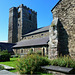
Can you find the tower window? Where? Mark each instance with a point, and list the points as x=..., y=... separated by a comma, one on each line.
x=29, y=16
x=53, y=27
x=18, y=14
x=21, y=51
x=19, y=9
x=41, y=34
x=29, y=12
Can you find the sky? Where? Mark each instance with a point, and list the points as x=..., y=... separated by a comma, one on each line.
x=42, y=7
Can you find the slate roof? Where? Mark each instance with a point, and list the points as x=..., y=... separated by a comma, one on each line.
x=32, y=42
x=43, y=29
x=6, y=46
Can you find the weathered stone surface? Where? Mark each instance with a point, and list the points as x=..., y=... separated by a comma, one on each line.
x=57, y=70
x=24, y=51
x=39, y=35
x=13, y=16
x=53, y=39
x=65, y=11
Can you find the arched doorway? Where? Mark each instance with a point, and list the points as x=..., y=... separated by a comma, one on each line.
x=44, y=51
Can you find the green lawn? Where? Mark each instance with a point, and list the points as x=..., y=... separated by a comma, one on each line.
x=39, y=73
x=12, y=62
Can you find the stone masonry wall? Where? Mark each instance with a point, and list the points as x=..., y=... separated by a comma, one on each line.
x=65, y=11
x=53, y=39
x=13, y=30
x=35, y=49
x=27, y=21
x=39, y=35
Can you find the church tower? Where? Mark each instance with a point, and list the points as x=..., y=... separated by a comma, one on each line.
x=22, y=20
x=13, y=28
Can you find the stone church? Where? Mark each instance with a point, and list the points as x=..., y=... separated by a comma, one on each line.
x=53, y=40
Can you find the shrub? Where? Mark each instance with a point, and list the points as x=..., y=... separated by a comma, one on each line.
x=65, y=61
x=1, y=67
x=14, y=56
x=31, y=64
x=39, y=52
x=4, y=56
x=31, y=51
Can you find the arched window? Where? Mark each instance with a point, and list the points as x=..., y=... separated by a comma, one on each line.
x=18, y=14
x=43, y=51
x=31, y=50
x=19, y=9
x=29, y=11
x=41, y=34
x=21, y=51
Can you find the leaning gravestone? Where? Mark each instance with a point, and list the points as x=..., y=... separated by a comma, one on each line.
x=59, y=69
x=7, y=67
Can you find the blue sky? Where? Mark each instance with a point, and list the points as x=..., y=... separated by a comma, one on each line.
x=42, y=7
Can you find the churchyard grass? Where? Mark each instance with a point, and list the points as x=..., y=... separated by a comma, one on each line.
x=12, y=63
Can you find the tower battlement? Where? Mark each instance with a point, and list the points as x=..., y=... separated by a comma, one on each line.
x=27, y=8
x=22, y=6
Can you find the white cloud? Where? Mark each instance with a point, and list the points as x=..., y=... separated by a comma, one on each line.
x=4, y=41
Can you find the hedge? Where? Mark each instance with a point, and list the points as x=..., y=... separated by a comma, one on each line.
x=4, y=56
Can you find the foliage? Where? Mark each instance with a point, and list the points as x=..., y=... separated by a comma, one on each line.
x=39, y=52
x=52, y=25
x=4, y=56
x=31, y=64
x=31, y=51
x=1, y=67
x=43, y=73
x=14, y=56
x=65, y=61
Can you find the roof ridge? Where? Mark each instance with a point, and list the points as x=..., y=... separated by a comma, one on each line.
x=38, y=30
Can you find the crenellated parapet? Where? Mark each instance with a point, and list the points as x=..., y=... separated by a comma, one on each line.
x=22, y=6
